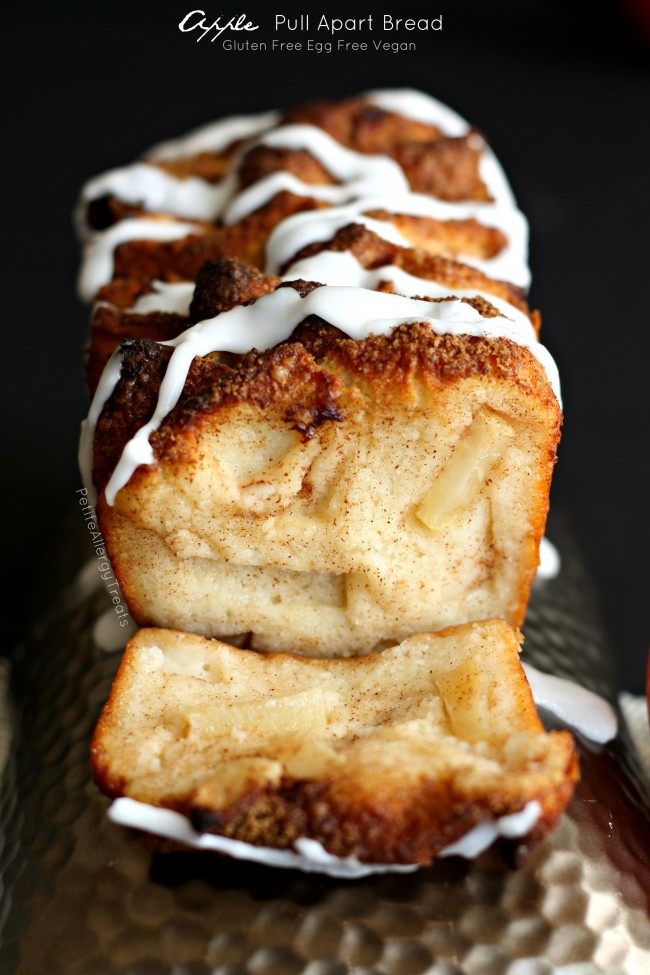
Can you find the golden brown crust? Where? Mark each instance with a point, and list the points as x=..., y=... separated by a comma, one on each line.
x=132, y=403
x=182, y=259
x=223, y=284
x=446, y=238
x=210, y=166
x=360, y=125
x=122, y=293
x=322, y=395
x=373, y=251
x=447, y=168
x=291, y=377
x=324, y=401
x=353, y=123
x=433, y=163
x=415, y=351
x=286, y=376
x=262, y=161
x=301, y=478
x=402, y=828
x=110, y=327
x=220, y=285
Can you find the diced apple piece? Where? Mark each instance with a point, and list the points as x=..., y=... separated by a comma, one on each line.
x=462, y=477
x=466, y=692
x=299, y=713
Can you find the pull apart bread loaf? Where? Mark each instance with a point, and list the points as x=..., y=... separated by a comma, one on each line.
x=322, y=423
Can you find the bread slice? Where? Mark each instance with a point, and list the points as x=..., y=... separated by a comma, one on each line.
x=330, y=494
x=389, y=758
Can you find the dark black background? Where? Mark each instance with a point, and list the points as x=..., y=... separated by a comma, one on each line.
x=562, y=92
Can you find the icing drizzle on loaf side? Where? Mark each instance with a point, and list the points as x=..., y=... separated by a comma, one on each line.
x=309, y=855
x=363, y=180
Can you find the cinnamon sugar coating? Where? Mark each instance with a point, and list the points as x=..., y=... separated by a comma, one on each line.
x=223, y=283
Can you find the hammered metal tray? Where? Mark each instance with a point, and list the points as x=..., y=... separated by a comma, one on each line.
x=80, y=895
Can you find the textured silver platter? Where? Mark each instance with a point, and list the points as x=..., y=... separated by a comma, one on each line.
x=80, y=895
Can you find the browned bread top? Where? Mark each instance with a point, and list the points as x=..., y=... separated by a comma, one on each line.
x=303, y=377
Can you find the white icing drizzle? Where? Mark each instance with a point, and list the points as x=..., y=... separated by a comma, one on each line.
x=259, y=194
x=590, y=714
x=271, y=319
x=215, y=136
x=549, y=561
x=419, y=106
x=108, y=633
x=312, y=226
x=158, y=192
x=296, y=231
x=341, y=268
x=173, y=298
x=308, y=855
x=105, y=387
x=484, y=834
x=88, y=581
x=359, y=175
x=492, y=174
x=424, y=108
x=97, y=263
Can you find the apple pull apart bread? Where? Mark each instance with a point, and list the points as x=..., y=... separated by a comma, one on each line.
x=390, y=758
x=323, y=420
